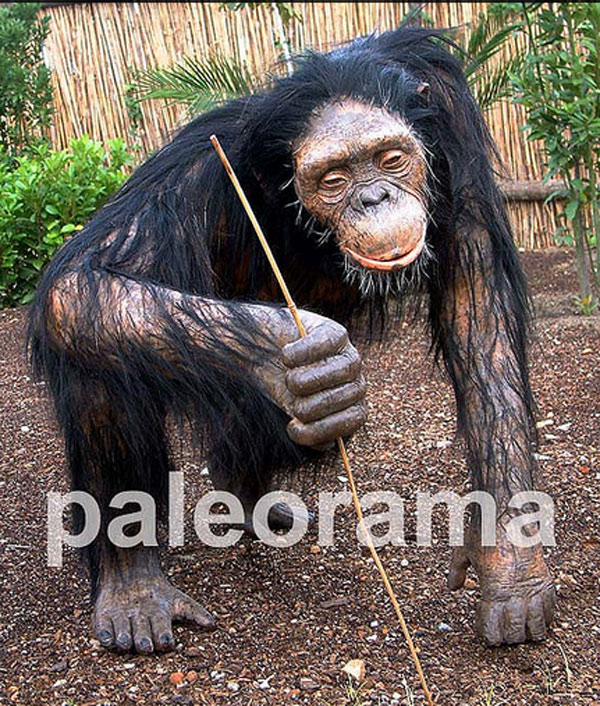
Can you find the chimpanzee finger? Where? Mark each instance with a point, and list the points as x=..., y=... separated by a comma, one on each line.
x=103, y=629
x=489, y=621
x=536, y=621
x=331, y=372
x=549, y=600
x=458, y=569
x=515, y=615
x=142, y=635
x=162, y=632
x=322, y=404
x=324, y=341
x=122, y=629
x=324, y=430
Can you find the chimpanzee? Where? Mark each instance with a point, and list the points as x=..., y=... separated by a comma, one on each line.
x=370, y=170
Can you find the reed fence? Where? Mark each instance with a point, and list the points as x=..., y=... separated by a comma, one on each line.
x=93, y=47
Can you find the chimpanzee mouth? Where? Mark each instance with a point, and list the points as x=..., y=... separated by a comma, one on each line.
x=388, y=262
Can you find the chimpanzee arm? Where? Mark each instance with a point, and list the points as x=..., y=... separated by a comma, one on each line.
x=482, y=331
x=142, y=328
x=483, y=338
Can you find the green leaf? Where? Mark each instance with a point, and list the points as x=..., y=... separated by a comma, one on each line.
x=198, y=83
x=571, y=209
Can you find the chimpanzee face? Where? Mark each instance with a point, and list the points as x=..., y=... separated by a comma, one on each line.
x=361, y=171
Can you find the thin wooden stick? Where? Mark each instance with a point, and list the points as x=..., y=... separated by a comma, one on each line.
x=340, y=442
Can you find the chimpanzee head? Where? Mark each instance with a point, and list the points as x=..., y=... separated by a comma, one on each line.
x=361, y=171
x=376, y=153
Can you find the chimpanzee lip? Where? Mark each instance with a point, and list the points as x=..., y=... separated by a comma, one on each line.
x=388, y=264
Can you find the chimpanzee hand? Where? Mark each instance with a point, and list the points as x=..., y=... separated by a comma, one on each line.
x=517, y=593
x=317, y=380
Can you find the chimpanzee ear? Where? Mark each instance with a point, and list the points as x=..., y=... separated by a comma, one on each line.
x=423, y=88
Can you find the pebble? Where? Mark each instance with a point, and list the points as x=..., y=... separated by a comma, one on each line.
x=404, y=562
x=59, y=667
x=444, y=627
x=308, y=684
x=177, y=678
x=25, y=428
x=233, y=686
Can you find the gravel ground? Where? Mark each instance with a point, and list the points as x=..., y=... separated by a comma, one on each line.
x=289, y=620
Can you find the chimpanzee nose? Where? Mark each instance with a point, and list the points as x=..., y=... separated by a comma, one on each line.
x=373, y=195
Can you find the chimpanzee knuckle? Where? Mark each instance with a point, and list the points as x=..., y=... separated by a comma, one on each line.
x=337, y=335
x=353, y=361
x=359, y=415
x=361, y=387
x=297, y=432
x=291, y=352
x=304, y=409
x=295, y=381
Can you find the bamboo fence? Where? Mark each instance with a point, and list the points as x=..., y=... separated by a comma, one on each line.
x=93, y=46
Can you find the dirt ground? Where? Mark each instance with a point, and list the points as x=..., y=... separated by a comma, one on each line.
x=289, y=620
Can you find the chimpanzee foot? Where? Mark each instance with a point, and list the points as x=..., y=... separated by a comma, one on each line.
x=136, y=613
x=517, y=593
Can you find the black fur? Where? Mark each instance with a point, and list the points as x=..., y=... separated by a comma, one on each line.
x=177, y=225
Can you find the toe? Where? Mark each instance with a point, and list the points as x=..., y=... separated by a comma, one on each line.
x=122, y=630
x=103, y=630
x=142, y=635
x=186, y=608
x=515, y=614
x=162, y=633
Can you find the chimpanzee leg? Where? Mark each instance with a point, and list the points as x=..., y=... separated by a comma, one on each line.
x=482, y=329
x=114, y=444
x=248, y=475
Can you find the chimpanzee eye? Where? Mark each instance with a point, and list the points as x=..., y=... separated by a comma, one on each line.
x=333, y=181
x=392, y=160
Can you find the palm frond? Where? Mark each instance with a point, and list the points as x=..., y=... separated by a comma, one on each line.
x=492, y=85
x=198, y=83
x=486, y=65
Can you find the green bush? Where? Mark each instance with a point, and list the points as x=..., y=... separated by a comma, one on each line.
x=25, y=83
x=46, y=196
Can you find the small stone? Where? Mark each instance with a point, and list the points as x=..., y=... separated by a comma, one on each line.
x=444, y=627
x=191, y=676
x=374, y=624
x=233, y=686
x=404, y=562
x=59, y=683
x=372, y=638
x=177, y=678
x=355, y=668
x=25, y=428
x=315, y=549
x=61, y=666
x=194, y=651
x=308, y=684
